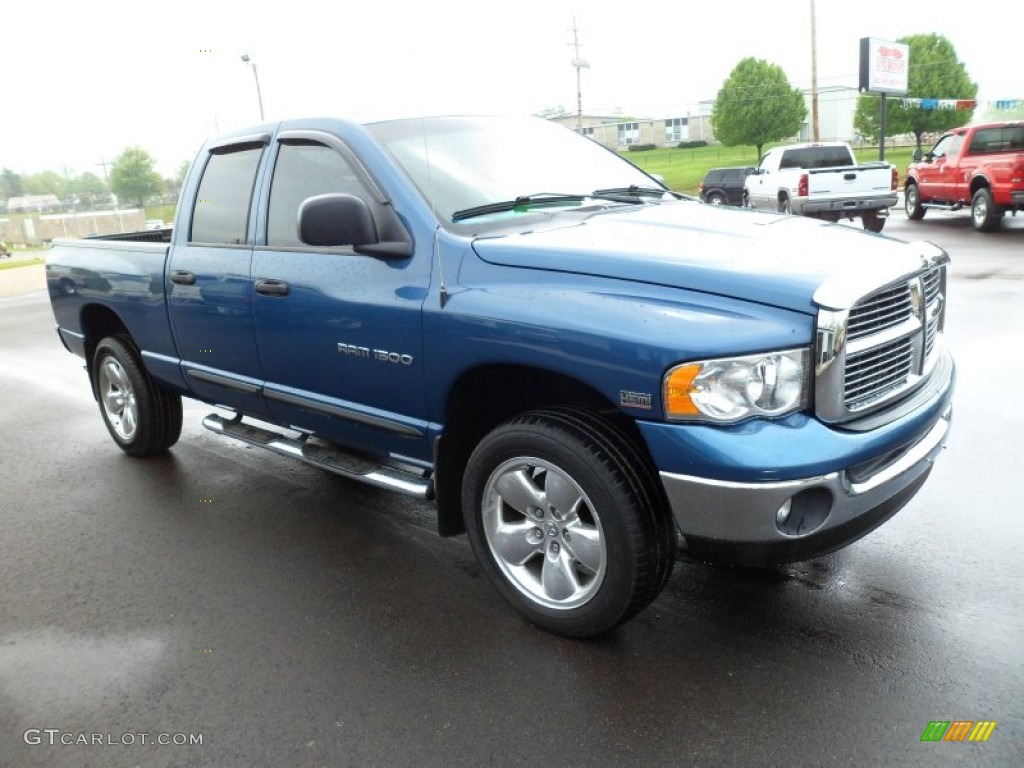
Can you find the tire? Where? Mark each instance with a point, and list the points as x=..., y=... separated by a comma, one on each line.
x=746, y=200
x=716, y=198
x=142, y=418
x=567, y=520
x=912, y=203
x=785, y=206
x=985, y=215
x=872, y=222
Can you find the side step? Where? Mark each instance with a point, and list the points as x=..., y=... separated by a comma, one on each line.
x=943, y=206
x=325, y=457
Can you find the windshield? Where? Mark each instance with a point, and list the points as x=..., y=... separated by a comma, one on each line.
x=462, y=163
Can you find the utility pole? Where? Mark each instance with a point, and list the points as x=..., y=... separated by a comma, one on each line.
x=579, y=64
x=815, y=132
x=255, y=74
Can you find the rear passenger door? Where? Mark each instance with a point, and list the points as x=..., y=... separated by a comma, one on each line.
x=339, y=333
x=209, y=291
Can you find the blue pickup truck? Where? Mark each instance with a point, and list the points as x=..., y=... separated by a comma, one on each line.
x=579, y=367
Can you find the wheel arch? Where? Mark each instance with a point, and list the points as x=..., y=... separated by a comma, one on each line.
x=488, y=395
x=980, y=181
x=97, y=323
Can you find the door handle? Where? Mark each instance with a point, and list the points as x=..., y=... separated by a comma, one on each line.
x=183, y=277
x=272, y=287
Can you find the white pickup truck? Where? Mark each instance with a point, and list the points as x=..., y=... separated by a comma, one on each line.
x=824, y=181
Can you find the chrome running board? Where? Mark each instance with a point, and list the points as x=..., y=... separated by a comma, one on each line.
x=325, y=457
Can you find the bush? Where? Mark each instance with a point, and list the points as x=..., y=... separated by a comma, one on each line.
x=691, y=144
x=641, y=147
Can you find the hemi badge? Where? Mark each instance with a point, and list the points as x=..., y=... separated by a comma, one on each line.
x=635, y=399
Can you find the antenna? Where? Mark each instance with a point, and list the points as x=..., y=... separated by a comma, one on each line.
x=433, y=208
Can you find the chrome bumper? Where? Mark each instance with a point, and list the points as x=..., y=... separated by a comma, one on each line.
x=826, y=512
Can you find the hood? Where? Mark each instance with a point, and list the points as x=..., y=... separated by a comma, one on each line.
x=760, y=257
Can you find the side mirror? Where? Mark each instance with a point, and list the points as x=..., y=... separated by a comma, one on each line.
x=336, y=219
x=929, y=156
x=918, y=155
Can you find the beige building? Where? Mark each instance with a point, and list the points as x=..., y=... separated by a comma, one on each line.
x=619, y=134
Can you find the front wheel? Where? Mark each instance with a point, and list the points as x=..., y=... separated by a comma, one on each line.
x=142, y=418
x=985, y=215
x=912, y=203
x=566, y=520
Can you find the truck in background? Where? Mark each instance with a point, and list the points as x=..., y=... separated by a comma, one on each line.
x=977, y=166
x=823, y=180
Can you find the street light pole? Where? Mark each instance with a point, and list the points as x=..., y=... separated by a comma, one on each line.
x=255, y=74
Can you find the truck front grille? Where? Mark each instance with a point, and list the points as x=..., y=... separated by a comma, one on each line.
x=876, y=372
x=885, y=309
x=881, y=349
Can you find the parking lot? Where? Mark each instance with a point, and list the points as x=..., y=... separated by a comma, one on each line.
x=289, y=617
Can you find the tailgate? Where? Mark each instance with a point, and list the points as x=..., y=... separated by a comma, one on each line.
x=854, y=181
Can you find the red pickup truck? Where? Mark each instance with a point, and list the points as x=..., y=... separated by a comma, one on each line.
x=978, y=165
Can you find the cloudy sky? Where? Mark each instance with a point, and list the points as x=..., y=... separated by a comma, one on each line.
x=85, y=80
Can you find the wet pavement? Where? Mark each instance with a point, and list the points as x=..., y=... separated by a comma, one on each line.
x=288, y=617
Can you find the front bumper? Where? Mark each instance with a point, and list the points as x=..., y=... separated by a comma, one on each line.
x=739, y=522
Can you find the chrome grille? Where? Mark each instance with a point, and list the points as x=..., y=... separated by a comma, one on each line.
x=876, y=371
x=882, y=348
x=885, y=309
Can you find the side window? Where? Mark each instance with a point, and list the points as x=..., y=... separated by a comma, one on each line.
x=304, y=169
x=954, y=146
x=221, y=213
x=940, y=149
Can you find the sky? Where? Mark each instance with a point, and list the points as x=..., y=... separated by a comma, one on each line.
x=85, y=80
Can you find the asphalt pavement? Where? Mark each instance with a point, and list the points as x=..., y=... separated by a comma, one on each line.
x=286, y=617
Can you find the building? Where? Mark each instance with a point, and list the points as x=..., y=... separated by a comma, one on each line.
x=837, y=105
x=619, y=133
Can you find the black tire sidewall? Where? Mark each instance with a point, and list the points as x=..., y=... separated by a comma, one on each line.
x=149, y=433
x=611, y=505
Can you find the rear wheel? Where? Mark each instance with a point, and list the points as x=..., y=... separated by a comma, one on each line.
x=784, y=205
x=142, y=418
x=567, y=521
x=912, y=203
x=985, y=215
x=872, y=222
x=716, y=198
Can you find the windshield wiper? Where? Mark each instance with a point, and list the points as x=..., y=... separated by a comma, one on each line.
x=524, y=201
x=634, y=193
x=631, y=191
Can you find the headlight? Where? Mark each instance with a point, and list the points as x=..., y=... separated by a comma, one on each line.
x=735, y=388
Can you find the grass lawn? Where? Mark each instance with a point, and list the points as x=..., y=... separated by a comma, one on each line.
x=164, y=212
x=683, y=169
x=22, y=263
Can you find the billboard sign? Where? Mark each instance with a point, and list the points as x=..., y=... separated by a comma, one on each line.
x=884, y=66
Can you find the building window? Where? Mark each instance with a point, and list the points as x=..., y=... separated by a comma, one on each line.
x=677, y=129
x=588, y=131
x=629, y=133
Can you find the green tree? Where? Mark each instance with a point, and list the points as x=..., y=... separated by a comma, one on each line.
x=935, y=72
x=133, y=176
x=174, y=184
x=10, y=184
x=45, y=183
x=756, y=105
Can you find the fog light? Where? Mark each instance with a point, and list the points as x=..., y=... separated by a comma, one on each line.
x=804, y=513
x=783, y=514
